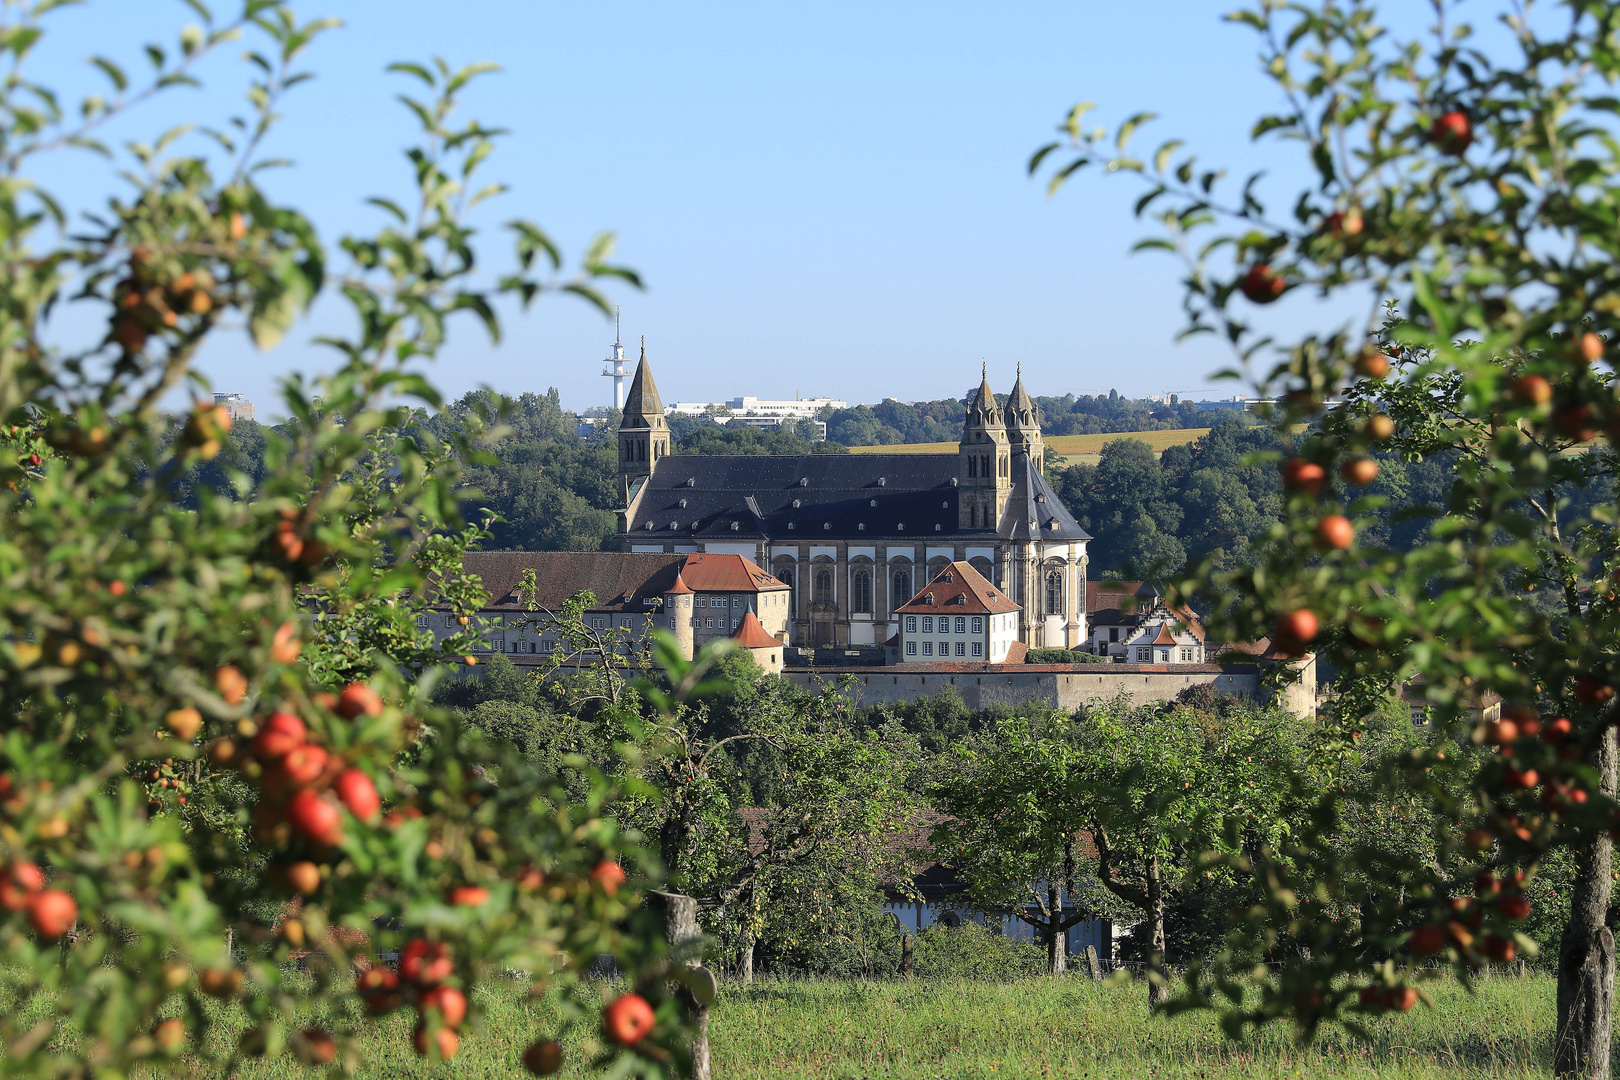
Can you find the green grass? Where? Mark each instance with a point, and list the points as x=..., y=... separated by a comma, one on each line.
x=1035, y=1028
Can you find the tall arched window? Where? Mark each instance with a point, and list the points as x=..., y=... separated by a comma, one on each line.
x=824, y=586
x=1054, y=592
x=860, y=591
x=902, y=588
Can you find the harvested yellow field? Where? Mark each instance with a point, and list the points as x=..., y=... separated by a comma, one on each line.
x=1061, y=445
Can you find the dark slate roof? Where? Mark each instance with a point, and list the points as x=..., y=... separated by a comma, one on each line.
x=914, y=496
x=1034, y=511
x=894, y=496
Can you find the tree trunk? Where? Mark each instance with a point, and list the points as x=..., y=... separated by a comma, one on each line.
x=1057, y=944
x=745, y=961
x=680, y=925
x=908, y=955
x=1158, y=977
x=1586, y=952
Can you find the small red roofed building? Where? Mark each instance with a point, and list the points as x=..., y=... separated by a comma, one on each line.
x=765, y=649
x=957, y=616
x=1130, y=621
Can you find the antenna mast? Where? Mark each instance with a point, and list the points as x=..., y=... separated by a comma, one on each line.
x=615, y=368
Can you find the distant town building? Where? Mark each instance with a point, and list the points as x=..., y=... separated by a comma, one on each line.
x=699, y=597
x=1130, y=622
x=235, y=404
x=760, y=412
x=957, y=616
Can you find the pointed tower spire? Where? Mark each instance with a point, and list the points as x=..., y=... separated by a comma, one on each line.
x=1023, y=420
x=642, y=405
x=984, y=469
x=643, y=431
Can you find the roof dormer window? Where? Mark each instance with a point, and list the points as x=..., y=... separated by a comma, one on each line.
x=874, y=502
x=735, y=526
x=683, y=504
x=796, y=503
x=791, y=526
x=827, y=525
x=861, y=527
x=804, y=481
x=882, y=480
x=691, y=481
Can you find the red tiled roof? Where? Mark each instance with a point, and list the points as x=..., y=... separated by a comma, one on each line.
x=1164, y=637
x=610, y=576
x=751, y=634
x=958, y=581
x=1017, y=653
x=677, y=589
x=726, y=573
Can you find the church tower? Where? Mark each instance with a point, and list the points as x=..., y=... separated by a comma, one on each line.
x=1024, y=424
x=643, y=431
x=984, y=467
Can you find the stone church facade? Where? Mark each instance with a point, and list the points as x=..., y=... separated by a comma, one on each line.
x=857, y=535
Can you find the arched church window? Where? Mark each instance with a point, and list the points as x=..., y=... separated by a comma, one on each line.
x=860, y=591
x=824, y=586
x=1054, y=592
x=902, y=587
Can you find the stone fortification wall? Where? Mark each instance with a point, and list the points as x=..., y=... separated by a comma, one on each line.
x=1065, y=686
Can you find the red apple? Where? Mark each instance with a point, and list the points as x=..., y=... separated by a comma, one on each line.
x=357, y=700
x=445, y=1041
x=19, y=883
x=1335, y=532
x=279, y=733
x=1372, y=364
x=317, y=1046
x=628, y=1019
x=609, y=875
x=426, y=963
x=1557, y=729
x=1301, y=475
x=1402, y=998
x=1294, y=631
x=544, y=1057
x=356, y=791
x=1359, y=471
x=1577, y=422
x=1589, y=347
x=304, y=877
x=1502, y=950
x=1513, y=778
x=1427, y=940
x=1262, y=285
x=448, y=1002
x=53, y=913
x=379, y=989
x=1513, y=908
x=299, y=767
x=315, y=818
x=1452, y=132
x=1498, y=732
x=1590, y=691
x=1531, y=390
x=469, y=896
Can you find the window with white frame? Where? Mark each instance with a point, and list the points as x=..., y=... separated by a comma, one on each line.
x=978, y=624
x=961, y=648
x=710, y=623
x=928, y=624
x=1144, y=655
x=911, y=624
x=978, y=648
x=928, y=648
x=422, y=621
x=599, y=622
x=911, y=648
x=961, y=625
x=944, y=648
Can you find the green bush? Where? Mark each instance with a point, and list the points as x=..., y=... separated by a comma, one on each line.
x=970, y=951
x=1064, y=656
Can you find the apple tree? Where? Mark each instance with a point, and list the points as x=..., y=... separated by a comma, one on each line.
x=217, y=751
x=1464, y=198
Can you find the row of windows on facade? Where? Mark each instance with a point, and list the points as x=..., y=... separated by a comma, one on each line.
x=860, y=589
x=600, y=622
x=945, y=648
x=944, y=624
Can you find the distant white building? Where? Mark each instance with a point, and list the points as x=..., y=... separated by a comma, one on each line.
x=957, y=616
x=239, y=407
x=1130, y=622
x=753, y=407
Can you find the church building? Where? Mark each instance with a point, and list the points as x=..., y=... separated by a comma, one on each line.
x=855, y=536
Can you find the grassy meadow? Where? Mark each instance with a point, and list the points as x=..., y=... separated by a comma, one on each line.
x=1035, y=1028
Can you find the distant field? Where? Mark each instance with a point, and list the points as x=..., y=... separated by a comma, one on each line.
x=1073, y=449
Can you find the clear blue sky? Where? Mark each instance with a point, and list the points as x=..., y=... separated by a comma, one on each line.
x=827, y=199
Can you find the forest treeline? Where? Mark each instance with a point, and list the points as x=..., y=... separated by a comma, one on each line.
x=941, y=421
x=1149, y=512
